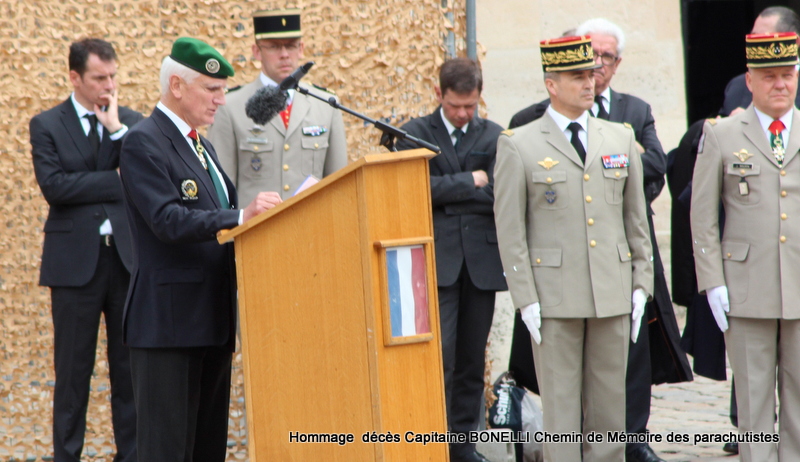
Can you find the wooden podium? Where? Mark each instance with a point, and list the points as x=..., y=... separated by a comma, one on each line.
x=340, y=319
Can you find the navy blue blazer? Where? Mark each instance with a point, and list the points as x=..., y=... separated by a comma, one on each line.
x=183, y=282
x=463, y=216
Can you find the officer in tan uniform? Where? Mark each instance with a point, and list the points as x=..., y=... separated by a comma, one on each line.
x=574, y=241
x=307, y=138
x=749, y=162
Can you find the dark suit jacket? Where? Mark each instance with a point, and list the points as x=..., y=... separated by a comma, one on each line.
x=624, y=109
x=738, y=95
x=183, y=283
x=81, y=194
x=463, y=216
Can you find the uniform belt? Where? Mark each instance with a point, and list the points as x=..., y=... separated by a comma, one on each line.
x=106, y=240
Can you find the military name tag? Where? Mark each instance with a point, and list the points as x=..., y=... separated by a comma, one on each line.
x=253, y=140
x=189, y=190
x=744, y=166
x=315, y=130
x=615, y=161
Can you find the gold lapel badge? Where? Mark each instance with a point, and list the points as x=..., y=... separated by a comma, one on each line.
x=548, y=163
x=742, y=155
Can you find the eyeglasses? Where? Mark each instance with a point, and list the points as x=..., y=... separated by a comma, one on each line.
x=276, y=47
x=606, y=58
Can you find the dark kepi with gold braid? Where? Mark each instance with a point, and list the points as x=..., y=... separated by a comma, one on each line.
x=771, y=50
x=277, y=24
x=568, y=54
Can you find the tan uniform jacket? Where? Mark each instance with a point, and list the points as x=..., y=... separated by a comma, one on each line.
x=271, y=157
x=759, y=255
x=573, y=238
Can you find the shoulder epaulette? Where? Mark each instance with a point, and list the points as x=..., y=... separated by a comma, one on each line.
x=228, y=90
x=508, y=132
x=323, y=89
x=627, y=125
x=712, y=121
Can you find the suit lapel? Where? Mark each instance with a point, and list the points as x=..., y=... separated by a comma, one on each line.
x=794, y=138
x=443, y=140
x=186, y=154
x=594, y=140
x=73, y=126
x=300, y=107
x=754, y=133
x=556, y=138
x=617, y=107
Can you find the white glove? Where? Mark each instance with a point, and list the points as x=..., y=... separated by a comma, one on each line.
x=532, y=317
x=718, y=301
x=638, y=300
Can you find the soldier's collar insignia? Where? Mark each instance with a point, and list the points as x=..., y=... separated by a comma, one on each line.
x=548, y=163
x=742, y=155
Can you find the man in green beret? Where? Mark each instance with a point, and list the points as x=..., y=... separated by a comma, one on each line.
x=306, y=138
x=180, y=315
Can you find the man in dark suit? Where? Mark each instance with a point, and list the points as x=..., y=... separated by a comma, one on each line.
x=468, y=267
x=87, y=249
x=650, y=360
x=180, y=319
x=773, y=19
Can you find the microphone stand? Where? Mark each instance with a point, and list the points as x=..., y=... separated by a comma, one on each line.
x=390, y=132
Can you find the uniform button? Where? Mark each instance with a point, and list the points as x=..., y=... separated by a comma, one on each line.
x=285, y=167
x=316, y=145
x=729, y=255
x=783, y=239
x=255, y=148
x=741, y=172
x=538, y=261
x=784, y=194
x=285, y=147
x=592, y=243
x=629, y=255
x=588, y=198
x=590, y=221
x=784, y=216
x=586, y=177
x=286, y=187
x=616, y=174
x=783, y=172
x=549, y=180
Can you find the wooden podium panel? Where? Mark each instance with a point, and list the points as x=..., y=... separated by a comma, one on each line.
x=313, y=304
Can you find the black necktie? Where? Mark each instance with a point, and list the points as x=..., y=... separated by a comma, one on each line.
x=601, y=110
x=458, y=133
x=94, y=138
x=575, y=127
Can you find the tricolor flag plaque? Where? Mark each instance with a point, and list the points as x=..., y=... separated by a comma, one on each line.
x=406, y=296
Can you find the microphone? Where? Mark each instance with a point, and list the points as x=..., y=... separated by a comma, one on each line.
x=265, y=104
x=290, y=83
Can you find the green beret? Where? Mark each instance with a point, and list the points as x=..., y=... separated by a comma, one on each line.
x=202, y=57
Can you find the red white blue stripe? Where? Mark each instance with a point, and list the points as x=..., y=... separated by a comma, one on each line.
x=408, y=290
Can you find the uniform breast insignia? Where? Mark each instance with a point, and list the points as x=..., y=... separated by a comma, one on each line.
x=189, y=190
x=256, y=140
x=255, y=163
x=315, y=130
x=550, y=196
x=547, y=163
x=742, y=155
x=257, y=130
x=507, y=132
x=615, y=161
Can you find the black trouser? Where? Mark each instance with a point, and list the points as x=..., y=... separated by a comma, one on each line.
x=182, y=399
x=638, y=381
x=76, y=320
x=466, y=317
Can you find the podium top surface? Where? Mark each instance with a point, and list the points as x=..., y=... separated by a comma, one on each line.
x=227, y=235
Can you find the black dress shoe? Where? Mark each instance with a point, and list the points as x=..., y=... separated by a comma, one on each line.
x=731, y=448
x=642, y=454
x=473, y=456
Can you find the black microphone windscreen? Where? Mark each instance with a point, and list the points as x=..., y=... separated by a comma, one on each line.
x=265, y=104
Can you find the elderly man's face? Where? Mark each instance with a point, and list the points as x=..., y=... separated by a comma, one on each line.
x=200, y=99
x=606, y=53
x=774, y=89
x=278, y=57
